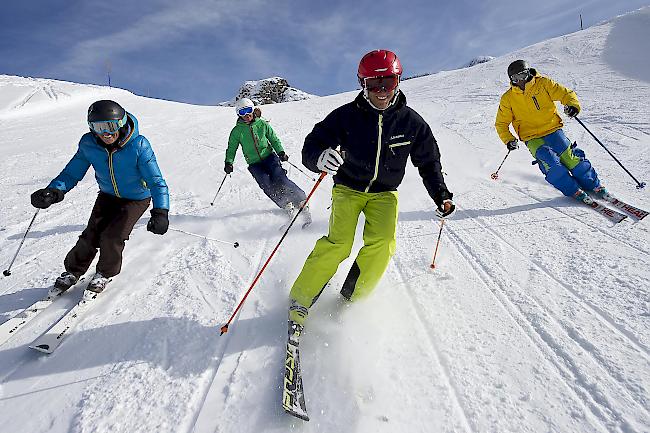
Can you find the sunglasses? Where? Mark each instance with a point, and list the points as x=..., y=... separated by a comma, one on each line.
x=107, y=126
x=381, y=84
x=520, y=76
x=244, y=111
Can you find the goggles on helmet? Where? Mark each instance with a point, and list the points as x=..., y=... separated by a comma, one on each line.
x=244, y=111
x=520, y=76
x=381, y=84
x=107, y=126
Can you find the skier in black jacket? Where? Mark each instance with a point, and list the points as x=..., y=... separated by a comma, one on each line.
x=365, y=145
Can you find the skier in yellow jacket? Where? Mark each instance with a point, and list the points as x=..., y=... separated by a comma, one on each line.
x=529, y=105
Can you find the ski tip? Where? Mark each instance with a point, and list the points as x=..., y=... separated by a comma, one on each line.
x=224, y=329
x=43, y=348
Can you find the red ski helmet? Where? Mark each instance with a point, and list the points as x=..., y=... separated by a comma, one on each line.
x=379, y=63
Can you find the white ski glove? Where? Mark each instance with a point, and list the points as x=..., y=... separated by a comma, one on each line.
x=329, y=161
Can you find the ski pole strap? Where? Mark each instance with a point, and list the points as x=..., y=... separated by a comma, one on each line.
x=224, y=328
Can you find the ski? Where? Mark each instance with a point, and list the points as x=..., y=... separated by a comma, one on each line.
x=293, y=396
x=610, y=214
x=52, y=338
x=633, y=211
x=10, y=327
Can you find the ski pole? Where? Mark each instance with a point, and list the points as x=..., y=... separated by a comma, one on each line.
x=234, y=244
x=435, y=253
x=639, y=185
x=224, y=328
x=7, y=271
x=495, y=175
x=298, y=168
x=215, y=196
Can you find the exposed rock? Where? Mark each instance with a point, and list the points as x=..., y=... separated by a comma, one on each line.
x=269, y=91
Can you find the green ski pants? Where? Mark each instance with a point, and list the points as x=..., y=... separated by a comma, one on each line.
x=380, y=211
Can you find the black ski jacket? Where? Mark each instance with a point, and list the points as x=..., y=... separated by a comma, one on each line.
x=376, y=145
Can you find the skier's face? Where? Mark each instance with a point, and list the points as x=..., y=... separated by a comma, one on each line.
x=381, y=99
x=109, y=138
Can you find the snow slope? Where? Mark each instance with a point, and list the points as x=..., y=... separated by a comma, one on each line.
x=535, y=319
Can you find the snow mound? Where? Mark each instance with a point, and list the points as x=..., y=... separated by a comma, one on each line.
x=26, y=95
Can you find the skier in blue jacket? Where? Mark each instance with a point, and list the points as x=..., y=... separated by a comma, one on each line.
x=128, y=177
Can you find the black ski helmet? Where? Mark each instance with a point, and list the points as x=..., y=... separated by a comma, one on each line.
x=516, y=67
x=105, y=110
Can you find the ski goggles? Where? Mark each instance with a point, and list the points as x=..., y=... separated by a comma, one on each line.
x=244, y=111
x=520, y=76
x=381, y=84
x=107, y=126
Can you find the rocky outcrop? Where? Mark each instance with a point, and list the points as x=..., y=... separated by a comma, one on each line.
x=269, y=91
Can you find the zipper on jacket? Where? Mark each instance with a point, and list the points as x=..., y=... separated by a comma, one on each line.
x=374, y=177
x=112, y=172
x=250, y=128
x=536, y=103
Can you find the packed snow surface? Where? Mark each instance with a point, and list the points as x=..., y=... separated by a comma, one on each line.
x=535, y=319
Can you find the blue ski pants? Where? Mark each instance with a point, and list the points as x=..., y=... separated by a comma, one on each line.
x=565, y=166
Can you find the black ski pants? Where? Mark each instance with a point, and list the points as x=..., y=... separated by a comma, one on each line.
x=111, y=222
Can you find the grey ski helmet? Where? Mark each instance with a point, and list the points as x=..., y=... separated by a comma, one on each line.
x=106, y=117
x=517, y=66
x=105, y=110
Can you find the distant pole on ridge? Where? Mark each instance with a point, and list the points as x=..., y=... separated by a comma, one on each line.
x=580, y=21
x=108, y=72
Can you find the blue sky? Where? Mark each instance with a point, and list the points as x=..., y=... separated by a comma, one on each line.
x=201, y=51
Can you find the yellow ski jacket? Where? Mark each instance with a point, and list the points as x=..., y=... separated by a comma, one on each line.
x=532, y=111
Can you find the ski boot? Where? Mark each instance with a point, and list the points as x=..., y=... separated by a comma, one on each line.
x=98, y=283
x=602, y=193
x=65, y=281
x=582, y=196
x=306, y=215
x=291, y=210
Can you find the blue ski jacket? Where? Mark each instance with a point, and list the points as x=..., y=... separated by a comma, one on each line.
x=129, y=170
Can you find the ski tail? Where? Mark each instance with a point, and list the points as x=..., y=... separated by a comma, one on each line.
x=10, y=327
x=53, y=337
x=293, y=396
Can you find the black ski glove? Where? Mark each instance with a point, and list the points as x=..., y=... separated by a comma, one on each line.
x=446, y=208
x=158, y=223
x=512, y=145
x=43, y=198
x=571, y=111
x=228, y=168
x=283, y=156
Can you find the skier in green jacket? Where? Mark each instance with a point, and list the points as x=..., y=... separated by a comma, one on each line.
x=263, y=153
